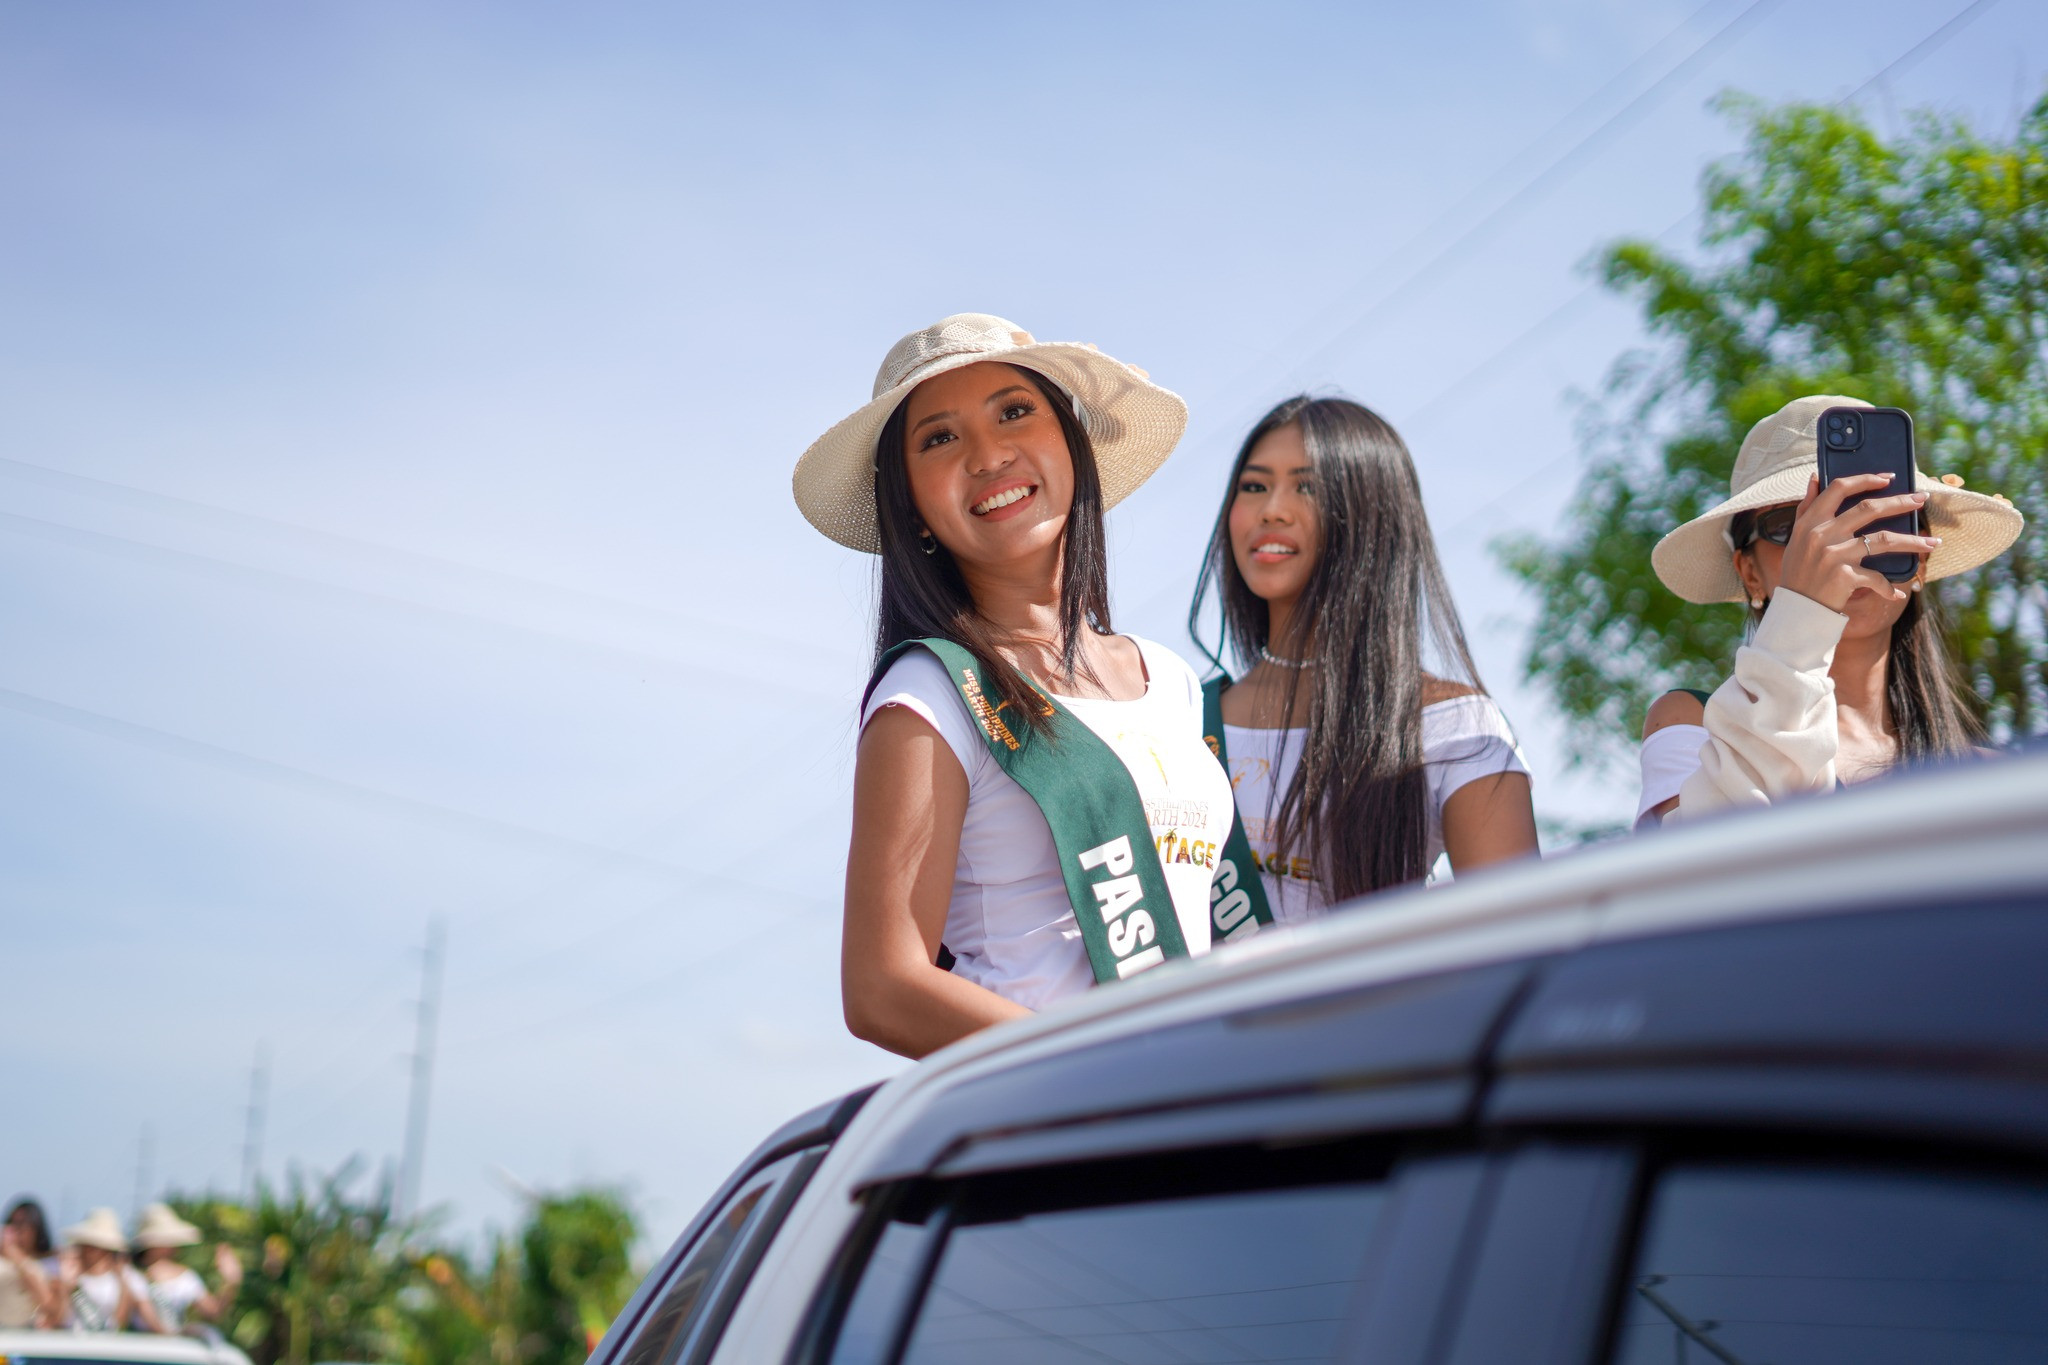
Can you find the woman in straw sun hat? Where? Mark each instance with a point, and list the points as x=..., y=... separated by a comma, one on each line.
x=174, y=1288
x=1034, y=808
x=1845, y=673
x=102, y=1291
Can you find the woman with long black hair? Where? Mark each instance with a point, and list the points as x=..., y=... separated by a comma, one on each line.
x=1845, y=674
x=1034, y=809
x=1358, y=757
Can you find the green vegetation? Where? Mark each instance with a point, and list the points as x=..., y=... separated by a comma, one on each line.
x=332, y=1275
x=1911, y=272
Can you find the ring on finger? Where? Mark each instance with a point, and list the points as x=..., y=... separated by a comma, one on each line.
x=1866, y=543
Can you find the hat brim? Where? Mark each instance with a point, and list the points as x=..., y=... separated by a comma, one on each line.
x=1696, y=562
x=150, y=1241
x=1132, y=423
x=92, y=1237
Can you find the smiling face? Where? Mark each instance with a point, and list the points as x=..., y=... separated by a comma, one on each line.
x=1275, y=531
x=989, y=468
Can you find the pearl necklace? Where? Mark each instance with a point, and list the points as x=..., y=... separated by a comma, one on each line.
x=1270, y=657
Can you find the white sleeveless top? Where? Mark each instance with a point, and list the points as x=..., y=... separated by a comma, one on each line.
x=1009, y=925
x=1463, y=738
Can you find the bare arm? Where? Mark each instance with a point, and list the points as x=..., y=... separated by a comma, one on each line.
x=1489, y=820
x=909, y=801
x=40, y=1289
x=1673, y=708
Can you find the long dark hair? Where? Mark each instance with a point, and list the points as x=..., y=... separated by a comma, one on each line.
x=39, y=1237
x=1921, y=688
x=925, y=595
x=1358, y=801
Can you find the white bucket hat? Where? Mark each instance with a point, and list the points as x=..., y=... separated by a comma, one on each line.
x=1132, y=423
x=101, y=1229
x=1777, y=458
x=160, y=1226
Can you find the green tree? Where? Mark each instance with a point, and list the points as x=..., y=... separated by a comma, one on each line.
x=1912, y=272
x=576, y=1252
x=324, y=1269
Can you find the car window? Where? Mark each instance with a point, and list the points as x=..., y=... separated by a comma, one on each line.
x=1249, y=1275
x=690, y=1289
x=877, y=1303
x=1809, y=1266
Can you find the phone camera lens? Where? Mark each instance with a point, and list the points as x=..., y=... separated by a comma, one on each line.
x=1835, y=422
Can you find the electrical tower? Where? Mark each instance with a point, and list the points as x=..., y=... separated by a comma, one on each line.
x=422, y=1072
x=252, y=1124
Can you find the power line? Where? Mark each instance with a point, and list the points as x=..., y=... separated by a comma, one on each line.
x=1562, y=165
x=1960, y=20
x=126, y=547
x=484, y=827
x=1954, y=25
x=414, y=561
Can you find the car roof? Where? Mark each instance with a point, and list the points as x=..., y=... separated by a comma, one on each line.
x=1447, y=968
x=144, y=1348
x=1949, y=834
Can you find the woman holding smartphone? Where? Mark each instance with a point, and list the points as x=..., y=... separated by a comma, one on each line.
x=1354, y=766
x=1034, y=810
x=1845, y=673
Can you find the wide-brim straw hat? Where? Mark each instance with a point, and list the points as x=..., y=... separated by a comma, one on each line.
x=1132, y=423
x=101, y=1229
x=160, y=1226
x=1778, y=457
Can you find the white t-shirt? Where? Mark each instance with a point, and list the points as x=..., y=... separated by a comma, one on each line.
x=1009, y=925
x=175, y=1296
x=1463, y=738
x=96, y=1299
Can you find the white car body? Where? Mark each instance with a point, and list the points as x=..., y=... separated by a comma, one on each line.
x=140, y=1348
x=1977, y=829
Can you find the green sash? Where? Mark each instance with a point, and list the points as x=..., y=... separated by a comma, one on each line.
x=1237, y=897
x=1107, y=855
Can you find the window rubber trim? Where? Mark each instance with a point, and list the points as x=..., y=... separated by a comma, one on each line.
x=738, y=1271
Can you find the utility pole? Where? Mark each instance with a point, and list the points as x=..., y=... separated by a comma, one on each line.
x=252, y=1125
x=422, y=1072
x=144, y=1177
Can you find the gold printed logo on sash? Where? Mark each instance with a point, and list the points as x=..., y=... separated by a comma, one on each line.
x=983, y=712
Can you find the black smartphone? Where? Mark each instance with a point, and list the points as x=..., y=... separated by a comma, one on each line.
x=1873, y=441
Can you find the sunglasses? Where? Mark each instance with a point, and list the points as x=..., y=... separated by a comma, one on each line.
x=1772, y=523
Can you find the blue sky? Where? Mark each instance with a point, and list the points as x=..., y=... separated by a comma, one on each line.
x=396, y=411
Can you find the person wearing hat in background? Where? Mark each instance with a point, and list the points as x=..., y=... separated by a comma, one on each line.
x=1018, y=760
x=102, y=1291
x=1845, y=673
x=175, y=1289
x=28, y=1271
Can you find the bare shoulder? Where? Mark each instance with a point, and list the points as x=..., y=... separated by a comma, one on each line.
x=1435, y=689
x=1673, y=708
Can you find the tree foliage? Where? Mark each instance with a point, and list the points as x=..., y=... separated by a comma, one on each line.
x=1911, y=272
x=330, y=1274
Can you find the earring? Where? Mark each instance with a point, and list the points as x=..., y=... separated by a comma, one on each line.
x=1757, y=602
x=1918, y=584
x=927, y=542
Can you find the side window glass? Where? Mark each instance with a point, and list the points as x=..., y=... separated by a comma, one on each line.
x=1253, y=1275
x=878, y=1300
x=1814, y=1266
x=666, y=1330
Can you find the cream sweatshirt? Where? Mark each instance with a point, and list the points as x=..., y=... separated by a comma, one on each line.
x=1771, y=727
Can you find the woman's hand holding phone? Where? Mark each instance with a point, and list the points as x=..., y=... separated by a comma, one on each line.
x=1824, y=558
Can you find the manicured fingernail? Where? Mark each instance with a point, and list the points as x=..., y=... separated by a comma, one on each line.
x=1919, y=497
x=1934, y=540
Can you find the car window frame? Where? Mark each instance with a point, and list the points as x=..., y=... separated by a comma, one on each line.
x=787, y=1173
x=1430, y=1179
